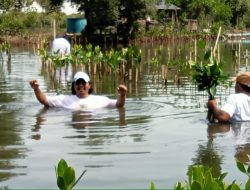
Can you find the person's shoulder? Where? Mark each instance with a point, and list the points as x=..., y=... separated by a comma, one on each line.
x=235, y=95
x=238, y=97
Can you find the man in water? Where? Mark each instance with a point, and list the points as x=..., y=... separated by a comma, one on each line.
x=237, y=107
x=81, y=97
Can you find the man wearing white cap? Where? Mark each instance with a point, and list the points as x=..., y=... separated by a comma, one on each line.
x=81, y=97
x=237, y=107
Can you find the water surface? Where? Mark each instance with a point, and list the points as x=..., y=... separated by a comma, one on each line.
x=159, y=133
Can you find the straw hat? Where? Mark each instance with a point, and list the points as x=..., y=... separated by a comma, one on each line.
x=244, y=78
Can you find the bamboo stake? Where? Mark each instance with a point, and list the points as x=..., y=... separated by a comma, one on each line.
x=95, y=68
x=130, y=75
x=54, y=28
x=239, y=54
x=216, y=42
x=136, y=74
x=163, y=72
x=195, y=50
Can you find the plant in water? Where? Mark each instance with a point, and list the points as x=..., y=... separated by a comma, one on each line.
x=5, y=48
x=245, y=170
x=208, y=75
x=200, y=178
x=65, y=175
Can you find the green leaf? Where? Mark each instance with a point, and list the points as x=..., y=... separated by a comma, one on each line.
x=207, y=55
x=61, y=167
x=179, y=186
x=201, y=44
x=198, y=173
x=152, y=186
x=192, y=63
x=61, y=183
x=214, y=185
x=240, y=166
x=222, y=176
x=248, y=170
x=247, y=186
x=196, y=186
x=235, y=187
x=207, y=181
x=190, y=175
x=69, y=177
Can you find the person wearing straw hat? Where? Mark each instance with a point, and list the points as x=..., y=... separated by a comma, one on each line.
x=81, y=97
x=237, y=106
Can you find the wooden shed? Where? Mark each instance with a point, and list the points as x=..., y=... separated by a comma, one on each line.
x=170, y=9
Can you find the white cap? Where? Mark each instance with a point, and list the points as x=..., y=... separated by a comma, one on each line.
x=81, y=75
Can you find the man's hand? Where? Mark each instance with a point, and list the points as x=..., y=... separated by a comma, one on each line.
x=122, y=90
x=212, y=104
x=34, y=84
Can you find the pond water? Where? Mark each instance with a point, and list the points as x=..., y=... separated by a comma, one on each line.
x=160, y=132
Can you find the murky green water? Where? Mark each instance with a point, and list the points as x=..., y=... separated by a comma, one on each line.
x=161, y=131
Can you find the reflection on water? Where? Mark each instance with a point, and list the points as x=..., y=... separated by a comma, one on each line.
x=209, y=153
x=155, y=137
x=241, y=131
x=11, y=142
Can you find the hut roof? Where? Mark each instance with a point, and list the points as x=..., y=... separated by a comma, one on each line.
x=161, y=5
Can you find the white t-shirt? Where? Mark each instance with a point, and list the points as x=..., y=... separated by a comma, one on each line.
x=238, y=107
x=62, y=45
x=88, y=103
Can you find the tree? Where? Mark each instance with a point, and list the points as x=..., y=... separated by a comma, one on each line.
x=239, y=9
x=13, y=5
x=132, y=10
x=102, y=13
x=50, y=5
x=99, y=13
x=214, y=10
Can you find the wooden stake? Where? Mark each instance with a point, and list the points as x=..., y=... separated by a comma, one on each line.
x=216, y=43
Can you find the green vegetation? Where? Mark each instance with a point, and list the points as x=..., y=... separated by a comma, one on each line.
x=117, y=62
x=65, y=175
x=31, y=23
x=207, y=74
x=209, y=13
x=5, y=48
x=201, y=178
x=124, y=15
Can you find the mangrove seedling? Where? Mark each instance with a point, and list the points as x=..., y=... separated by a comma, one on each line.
x=201, y=178
x=65, y=175
x=208, y=75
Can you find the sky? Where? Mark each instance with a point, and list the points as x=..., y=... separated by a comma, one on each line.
x=67, y=8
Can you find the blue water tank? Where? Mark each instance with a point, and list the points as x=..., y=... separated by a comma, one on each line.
x=76, y=25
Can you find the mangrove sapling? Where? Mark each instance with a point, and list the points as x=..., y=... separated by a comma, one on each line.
x=5, y=48
x=133, y=59
x=97, y=58
x=65, y=175
x=208, y=75
x=201, y=178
